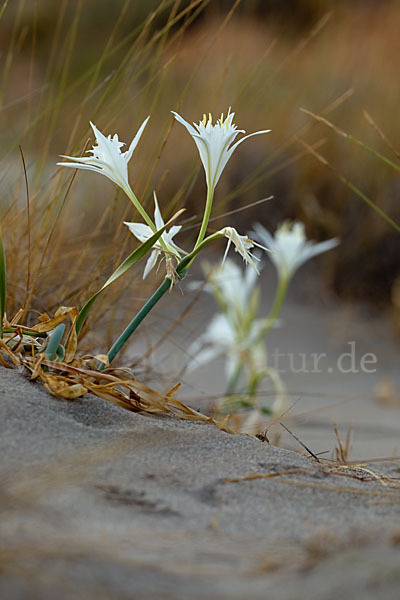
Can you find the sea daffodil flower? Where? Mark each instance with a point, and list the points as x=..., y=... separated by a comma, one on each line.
x=107, y=158
x=290, y=247
x=214, y=141
x=216, y=144
x=143, y=232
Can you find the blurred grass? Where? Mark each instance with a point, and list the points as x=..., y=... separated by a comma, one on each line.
x=115, y=62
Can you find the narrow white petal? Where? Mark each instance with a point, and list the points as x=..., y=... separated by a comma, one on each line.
x=135, y=141
x=246, y=137
x=158, y=220
x=81, y=166
x=141, y=231
x=151, y=262
x=181, y=120
x=174, y=230
x=80, y=159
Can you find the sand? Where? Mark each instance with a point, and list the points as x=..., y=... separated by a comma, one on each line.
x=97, y=502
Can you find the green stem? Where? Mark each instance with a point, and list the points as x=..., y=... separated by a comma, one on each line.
x=206, y=217
x=233, y=380
x=254, y=383
x=141, y=315
x=132, y=197
x=134, y=324
x=277, y=305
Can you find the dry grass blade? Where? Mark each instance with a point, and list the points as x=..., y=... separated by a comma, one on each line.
x=379, y=131
x=350, y=185
x=351, y=138
x=342, y=450
x=351, y=473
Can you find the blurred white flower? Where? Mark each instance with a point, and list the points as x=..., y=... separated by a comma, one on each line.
x=143, y=232
x=214, y=143
x=235, y=332
x=290, y=247
x=107, y=158
x=242, y=245
x=223, y=337
x=230, y=286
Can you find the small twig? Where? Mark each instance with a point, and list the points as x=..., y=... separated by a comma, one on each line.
x=300, y=442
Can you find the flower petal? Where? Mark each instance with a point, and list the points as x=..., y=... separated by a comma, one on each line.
x=141, y=231
x=151, y=262
x=135, y=141
x=246, y=137
x=158, y=220
x=188, y=126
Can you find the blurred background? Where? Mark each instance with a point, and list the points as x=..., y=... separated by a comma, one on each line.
x=116, y=61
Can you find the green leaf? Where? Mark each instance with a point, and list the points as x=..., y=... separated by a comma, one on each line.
x=3, y=280
x=54, y=341
x=123, y=267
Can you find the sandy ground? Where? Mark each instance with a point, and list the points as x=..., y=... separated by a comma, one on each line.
x=100, y=503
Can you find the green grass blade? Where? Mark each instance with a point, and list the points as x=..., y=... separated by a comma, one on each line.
x=123, y=268
x=3, y=284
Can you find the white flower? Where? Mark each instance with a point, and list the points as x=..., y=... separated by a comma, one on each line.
x=242, y=245
x=230, y=286
x=290, y=247
x=214, y=143
x=107, y=157
x=235, y=333
x=143, y=232
x=222, y=337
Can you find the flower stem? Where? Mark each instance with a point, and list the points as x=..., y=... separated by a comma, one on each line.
x=206, y=217
x=233, y=380
x=132, y=197
x=141, y=315
x=134, y=324
x=277, y=305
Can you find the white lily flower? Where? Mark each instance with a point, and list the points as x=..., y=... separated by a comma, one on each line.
x=222, y=337
x=235, y=333
x=107, y=157
x=242, y=245
x=143, y=232
x=214, y=143
x=290, y=247
x=230, y=286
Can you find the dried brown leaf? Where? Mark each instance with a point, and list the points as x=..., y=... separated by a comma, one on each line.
x=72, y=339
x=47, y=324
